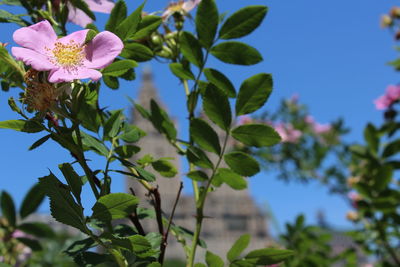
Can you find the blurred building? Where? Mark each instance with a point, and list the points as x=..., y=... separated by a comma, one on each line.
x=229, y=213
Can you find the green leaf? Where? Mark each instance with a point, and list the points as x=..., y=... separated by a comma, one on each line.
x=31, y=201
x=82, y=5
x=90, y=35
x=242, y=163
x=200, y=265
x=114, y=206
x=198, y=176
x=213, y=260
x=8, y=208
x=39, y=142
x=391, y=149
x=7, y=17
x=73, y=180
x=29, y=126
x=153, y=264
x=197, y=156
x=191, y=49
x=149, y=24
x=79, y=247
x=137, y=52
x=371, y=135
x=383, y=177
x=118, y=14
x=257, y=135
x=94, y=144
x=207, y=22
x=243, y=22
x=62, y=205
x=234, y=180
x=120, y=67
x=204, y=135
x=253, y=93
x=236, y=53
x=145, y=175
x=221, y=81
x=126, y=151
x=217, y=108
x=240, y=245
x=129, y=25
x=131, y=133
x=181, y=72
x=33, y=244
x=267, y=256
x=111, y=82
x=140, y=244
x=164, y=167
x=161, y=121
x=113, y=125
x=8, y=60
x=37, y=229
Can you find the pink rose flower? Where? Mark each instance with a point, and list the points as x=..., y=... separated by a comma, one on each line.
x=321, y=128
x=80, y=18
x=393, y=92
x=66, y=58
x=287, y=132
x=385, y=101
x=245, y=119
x=181, y=6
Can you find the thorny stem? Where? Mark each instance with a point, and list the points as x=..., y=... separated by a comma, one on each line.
x=164, y=242
x=134, y=218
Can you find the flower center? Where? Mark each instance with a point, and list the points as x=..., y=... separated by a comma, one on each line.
x=70, y=56
x=176, y=7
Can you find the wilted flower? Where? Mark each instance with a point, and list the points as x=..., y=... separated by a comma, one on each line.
x=66, y=58
x=386, y=21
x=355, y=198
x=392, y=95
x=181, y=7
x=80, y=18
x=39, y=95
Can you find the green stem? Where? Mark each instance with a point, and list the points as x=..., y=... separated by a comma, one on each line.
x=200, y=207
x=82, y=161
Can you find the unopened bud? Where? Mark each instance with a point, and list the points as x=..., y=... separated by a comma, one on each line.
x=395, y=12
x=156, y=40
x=386, y=21
x=165, y=52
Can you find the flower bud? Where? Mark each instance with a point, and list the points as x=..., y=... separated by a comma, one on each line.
x=386, y=21
x=352, y=216
x=395, y=12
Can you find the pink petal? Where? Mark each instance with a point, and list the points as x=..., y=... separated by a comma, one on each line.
x=36, y=37
x=29, y=57
x=102, y=50
x=189, y=5
x=79, y=37
x=102, y=6
x=78, y=17
x=383, y=102
x=62, y=75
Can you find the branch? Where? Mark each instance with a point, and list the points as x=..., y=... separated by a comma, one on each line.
x=134, y=218
x=165, y=236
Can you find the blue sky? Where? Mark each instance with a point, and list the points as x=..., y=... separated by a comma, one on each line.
x=332, y=53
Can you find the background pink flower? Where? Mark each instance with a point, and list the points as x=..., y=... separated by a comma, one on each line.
x=66, y=58
x=287, y=132
x=180, y=6
x=80, y=18
x=385, y=101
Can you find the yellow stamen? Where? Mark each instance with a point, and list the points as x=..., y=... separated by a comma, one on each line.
x=68, y=56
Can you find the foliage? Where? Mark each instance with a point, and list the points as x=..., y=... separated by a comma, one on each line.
x=67, y=111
